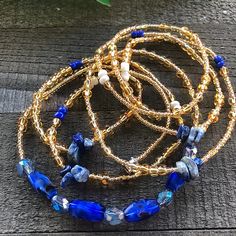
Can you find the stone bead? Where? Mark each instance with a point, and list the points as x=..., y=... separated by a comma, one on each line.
x=141, y=209
x=183, y=169
x=114, y=216
x=74, y=152
x=60, y=204
x=76, y=64
x=198, y=161
x=175, y=181
x=165, y=198
x=192, y=167
x=42, y=184
x=67, y=179
x=87, y=210
x=25, y=166
x=65, y=170
x=195, y=135
x=200, y=134
x=78, y=138
x=183, y=132
x=80, y=173
x=88, y=144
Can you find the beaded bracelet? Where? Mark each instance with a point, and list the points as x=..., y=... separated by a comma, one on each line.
x=116, y=70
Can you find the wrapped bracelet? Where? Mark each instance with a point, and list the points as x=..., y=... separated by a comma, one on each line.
x=116, y=70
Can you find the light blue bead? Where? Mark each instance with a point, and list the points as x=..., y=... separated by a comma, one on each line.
x=74, y=152
x=114, y=216
x=80, y=173
x=88, y=144
x=192, y=166
x=165, y=198
x=200, y=134
x=26, y=166
x=60, y=204
x=183, y=169
x=192, y=135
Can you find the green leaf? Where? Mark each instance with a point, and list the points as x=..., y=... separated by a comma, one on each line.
x=105, y=2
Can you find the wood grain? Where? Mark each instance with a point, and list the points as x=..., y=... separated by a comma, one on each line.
x=36, y=39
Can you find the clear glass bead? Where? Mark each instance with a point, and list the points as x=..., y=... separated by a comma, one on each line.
x=114, y=216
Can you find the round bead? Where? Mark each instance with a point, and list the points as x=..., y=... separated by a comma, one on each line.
x=175, y=105
x=102, y=73
x=104, y=79
x=165, y=198
x=114, y=216
x=124, y=66
x=218, y=58
x=125, y=75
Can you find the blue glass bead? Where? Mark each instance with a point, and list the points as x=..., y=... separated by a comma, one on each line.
x=78, y=138
x=87, y=210
x=198, y=161
x=218, y=58
x=183, y=132
x=141, y=209
x=80, y=173
x=175, y=181
x=182, y=168
x=41, y=183
x=76, y=64
x=88, y=144
x=59, y=115
x=220, y=64
x=114, y=216
x=65, y=170
x=60, y=204
x=165, y=198
x=26, y=166
x=67, y=179
x=74, y=151
x=137, y=34
x=192, y=167
x=63, y=109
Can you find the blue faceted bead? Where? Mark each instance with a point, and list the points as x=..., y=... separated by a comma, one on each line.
x=165, y=198
x=198, y=161
x=87, y=210
x=59, y=115
x=67, y=179
x=218, y=58
x=63, y=109
x=88, y=144
x=114, y=216
x=78, y=138
x=26, y=166
x=65, y=170
x=175, y=181
x=41, y=183
x=141, y=209
x=76, y=64
x=80, y=173
x=60, y=204
x=74, y=151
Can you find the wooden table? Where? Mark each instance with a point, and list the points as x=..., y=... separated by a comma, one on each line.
x=36, y=39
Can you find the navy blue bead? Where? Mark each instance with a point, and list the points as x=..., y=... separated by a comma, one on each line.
x=63, y=109
x=87, y=210
x=41, y=183
x=67, y=179
x=218, y=58
x=183, y=132
x=59, y=115
x=141, y=209
x=198, y=161
x=78, y=138
x=137, y=34
x=175, y=181
x=76, y=64
x=220, y=64
x=65, y=170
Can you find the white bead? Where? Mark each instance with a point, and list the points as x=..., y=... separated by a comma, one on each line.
x=175, y=105
x=125, y=75
x=104, y=79
x=101, y=73
x=124, y=66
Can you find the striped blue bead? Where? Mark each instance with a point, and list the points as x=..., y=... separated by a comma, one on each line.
x=175, y=181
x=141, y=209
x=87, y=210
x=75, y=65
